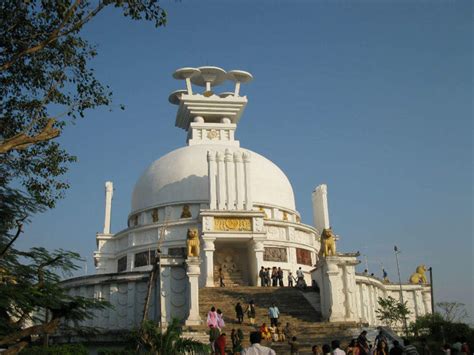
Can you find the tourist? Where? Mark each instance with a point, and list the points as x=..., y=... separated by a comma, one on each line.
x=237, y=338
x=465, y=346
x=261, y=274
x=280, y=277
x=316, y=350
x=294, y=346
x=256, y=348
x=213, y=335
x=274, y=277
x=220, y=344
x=299, y=275
x=239, y=313
x=456, y=347
x=363, y=343
x=326, y=349
x=265, y=332
x=273, y=313
x=381, y=348
x=273, y=332
x=221, y=278
x=446, y=349
x=220, y=319
x=212, y=317
x=281, y=335
x=336, y=350
x=396, y=349
x=290, y=279
x=288, y=331
x=353, y=348
x=267, y=277
x=251, y=312
x=409, y=348
x=380, y=337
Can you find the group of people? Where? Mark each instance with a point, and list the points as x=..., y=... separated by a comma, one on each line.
x=274, y=277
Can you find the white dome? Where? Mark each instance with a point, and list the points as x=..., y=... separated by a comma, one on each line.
x=182, y=176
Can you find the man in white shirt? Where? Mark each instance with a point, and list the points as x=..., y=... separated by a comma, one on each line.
x=256, y=348
x=335, y=344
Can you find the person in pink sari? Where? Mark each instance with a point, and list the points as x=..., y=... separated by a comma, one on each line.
x=212, y=318
x=220, y=319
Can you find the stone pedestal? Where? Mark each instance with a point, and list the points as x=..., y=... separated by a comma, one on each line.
x=209, y=260
x=336, y=279
x=193, y=271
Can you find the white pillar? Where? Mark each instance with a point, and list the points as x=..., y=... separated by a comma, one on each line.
x=109, y=191
x=211, y=162
x=258, y=250
x=320, y=208
x=193, y=271
x=209, y=260
x=248, y=184
x=239, y=180
x=221, y=198
x=230, y=180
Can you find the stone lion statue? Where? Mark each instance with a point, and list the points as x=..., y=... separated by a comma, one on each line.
x=328, y=242
x=419, y=276
x=193, y=242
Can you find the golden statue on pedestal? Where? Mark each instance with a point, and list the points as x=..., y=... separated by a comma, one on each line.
x=186, y=213
x=193, y=242
x=328, y=242
x=419, y=276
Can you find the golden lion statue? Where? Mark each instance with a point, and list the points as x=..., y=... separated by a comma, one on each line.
x=419, y=276
x=328, y=242
x=193, y=242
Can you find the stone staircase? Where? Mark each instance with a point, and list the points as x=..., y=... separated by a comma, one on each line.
x=233, y=279
x=294, y=308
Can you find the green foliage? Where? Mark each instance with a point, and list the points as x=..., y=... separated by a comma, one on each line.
x=115, y=352
x=45, y=77
x=67, y=349
x=151, y=338
x=440, y=329
x=391, y=311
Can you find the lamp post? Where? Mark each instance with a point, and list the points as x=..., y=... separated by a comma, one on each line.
x=431, y=290
x=395, y=249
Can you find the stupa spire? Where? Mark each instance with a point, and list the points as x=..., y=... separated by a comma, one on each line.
x=209, y=117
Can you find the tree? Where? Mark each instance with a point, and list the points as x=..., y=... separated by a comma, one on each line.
x=391, y=311
x=169, y=342
x=45, y=83
x=452, y=311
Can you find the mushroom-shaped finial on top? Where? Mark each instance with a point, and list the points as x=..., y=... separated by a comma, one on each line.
x=186, y=74
x=208, y=77
x=239, y=76
x=175, y=96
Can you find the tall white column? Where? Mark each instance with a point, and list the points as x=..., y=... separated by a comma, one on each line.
x=109, y=192
x=258, y=250
x=209, y=260
x=221, y=195
x=193, y=271
x=248, y=185
x=230, y=179
x=239, y=180
x=211, y=162
x=320, y=208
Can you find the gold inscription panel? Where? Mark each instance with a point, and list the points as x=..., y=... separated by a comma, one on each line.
x=232, y=224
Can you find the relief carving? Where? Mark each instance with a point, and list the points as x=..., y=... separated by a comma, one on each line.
x=232, y=224
x=303, y=256
x=275, y=254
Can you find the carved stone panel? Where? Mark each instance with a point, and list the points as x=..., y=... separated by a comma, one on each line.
x=303, y=256
x=275, y=254
x=232, y=224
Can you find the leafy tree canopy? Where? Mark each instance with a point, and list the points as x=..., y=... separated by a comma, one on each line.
x=391, y=311
x=45, y=82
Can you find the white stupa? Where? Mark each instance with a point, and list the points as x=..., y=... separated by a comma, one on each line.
x=243, y=209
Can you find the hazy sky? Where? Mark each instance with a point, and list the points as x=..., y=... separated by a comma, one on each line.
x=373, y=98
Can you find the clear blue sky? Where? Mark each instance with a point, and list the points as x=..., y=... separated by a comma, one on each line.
x=373, y=98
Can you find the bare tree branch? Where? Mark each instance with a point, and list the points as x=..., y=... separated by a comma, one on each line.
x=19, y=230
